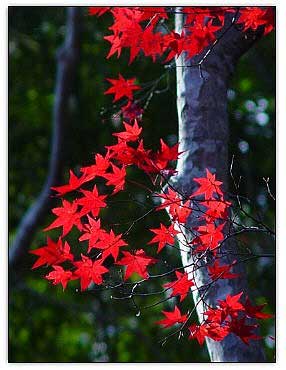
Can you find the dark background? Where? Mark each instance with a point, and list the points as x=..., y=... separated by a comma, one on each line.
x=49, y=325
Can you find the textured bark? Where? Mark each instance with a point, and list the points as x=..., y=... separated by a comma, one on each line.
x=203, y=134
x=67, y=58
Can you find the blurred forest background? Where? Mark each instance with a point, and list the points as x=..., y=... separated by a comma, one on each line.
x=49, y=325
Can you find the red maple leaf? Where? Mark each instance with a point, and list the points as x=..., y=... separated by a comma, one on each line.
x=74, y=183
x=67, y=217
x=215, y=315
x=169, y=199
x=212, y=330
x=91, y=202
x=89, y=271
x=152, y=42
x=177, y=209
x=198, y=332
x=131, y=133
x=172, y=318
x=167, y=153
x=243, y=331
x=253, y=17
x=217, y=271
x=98, y=10
x=181, y=286
x=123, y=153
x=98, y=169
x=60, y=276
x=175, y=42
x=127, y=31
x=215, y=209
x=97, y=271
x=151, y=12
x=122, y=87
x=255, y=311
x=209, y=237
x=93, y=233
x=231, y=305
x=137, y=263
x=110, y=244
x=208, y=186
x=52, y=253
x=116, y=178
x=164, y=235
x=200, y=36
x=181, y=213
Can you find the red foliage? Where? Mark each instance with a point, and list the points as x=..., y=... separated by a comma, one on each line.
x=137, y=262
x=164, y=236
x=122, y=87
x=181, y=286
x=172, y=318
x=137, y=29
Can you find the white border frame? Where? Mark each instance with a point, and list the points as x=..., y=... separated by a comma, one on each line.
x=280, y=170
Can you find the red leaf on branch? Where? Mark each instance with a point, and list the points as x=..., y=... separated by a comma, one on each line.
x=89, y=271
x=91, y=202
x=181, y=286
x=164, y=235
x=93, y=233
x=52, y=253
x=60, y=276
x=122, y=87
x=215, y=209
x=172, y=318
x=175, y=42
x=152, y=43
x=201, y=35
x=243, y=331
x=212, y=330
x=181, y=213
x=131, y=133
x=98, y=10
x=254, y=17
x=74, y=183
x=215, y=315
x=110, y=244
x=209, y=237
x=208, y=186
x=255, y=311
x=169, y=199
x=150, y=12
x=166, y=154
x=116, y=179
x=136, y=263
x=67, y=217
x=217, y=271
x=231, y=305
x=98, y=169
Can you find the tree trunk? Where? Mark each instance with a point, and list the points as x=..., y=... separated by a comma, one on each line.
x=203, y=134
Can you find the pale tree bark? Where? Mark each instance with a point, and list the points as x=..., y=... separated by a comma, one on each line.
x=67, y=59
x=203, y=134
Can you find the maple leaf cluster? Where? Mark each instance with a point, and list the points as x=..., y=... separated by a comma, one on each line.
x=140, y=30
x=230, y=316
x=83, y=213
